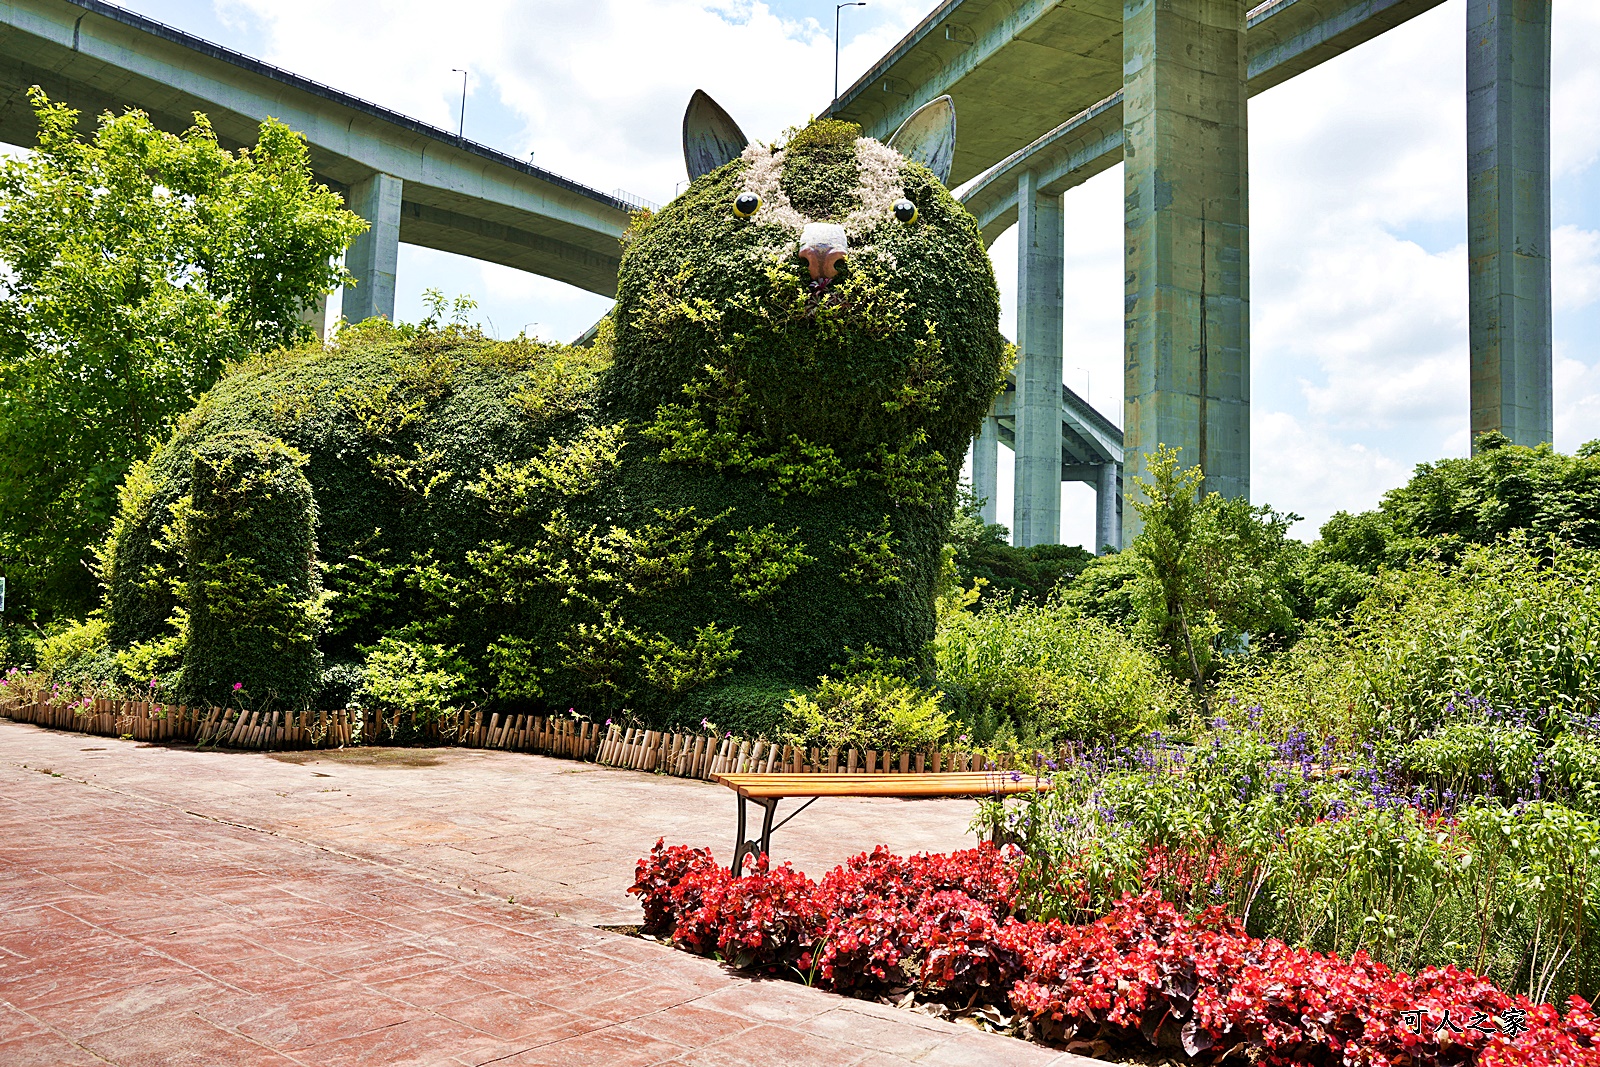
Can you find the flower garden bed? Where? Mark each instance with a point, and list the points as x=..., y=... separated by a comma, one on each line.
x=1146, y=977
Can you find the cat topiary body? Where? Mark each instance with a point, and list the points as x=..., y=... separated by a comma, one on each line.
x=747, y=479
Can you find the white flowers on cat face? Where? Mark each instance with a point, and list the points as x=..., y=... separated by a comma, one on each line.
x=879, y=185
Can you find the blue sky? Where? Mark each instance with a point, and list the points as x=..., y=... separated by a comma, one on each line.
x=1358, y=206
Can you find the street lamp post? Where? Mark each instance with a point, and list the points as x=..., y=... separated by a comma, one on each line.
x=462, y=129
x=836, y=9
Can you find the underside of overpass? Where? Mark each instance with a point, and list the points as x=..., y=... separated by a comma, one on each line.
x=1049, y=93
x=412, y=182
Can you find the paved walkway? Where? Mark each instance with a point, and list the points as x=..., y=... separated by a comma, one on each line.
x=168, y=906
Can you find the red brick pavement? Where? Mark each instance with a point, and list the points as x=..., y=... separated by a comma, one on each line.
x=170, y=907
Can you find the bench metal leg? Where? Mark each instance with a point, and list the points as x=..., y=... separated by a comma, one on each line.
x=743, y=847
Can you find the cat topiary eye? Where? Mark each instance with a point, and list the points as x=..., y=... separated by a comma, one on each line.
x=905, y=211
x=746, y=205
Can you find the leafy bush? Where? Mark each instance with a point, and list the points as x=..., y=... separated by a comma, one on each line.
x=1041, y=674
x=139, y=262
x=19, y=646
x=868, y=710
x=1107, y=589
x=253, y=605
x=747, y=705
x=72, y=644
x=1515, y=624
x=428, y=681
x=1003, y=571
x=1505, y=757
x=1502, y=488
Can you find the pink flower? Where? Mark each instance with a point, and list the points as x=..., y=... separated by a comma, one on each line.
x=237, y=686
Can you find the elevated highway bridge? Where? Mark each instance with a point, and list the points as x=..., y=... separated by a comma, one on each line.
x=1048, y=93
x=412, y=182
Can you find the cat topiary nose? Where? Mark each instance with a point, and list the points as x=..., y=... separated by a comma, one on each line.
x=823, y=246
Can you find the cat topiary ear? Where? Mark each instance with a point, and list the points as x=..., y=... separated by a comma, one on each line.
x=710, y=137
x=929, y=136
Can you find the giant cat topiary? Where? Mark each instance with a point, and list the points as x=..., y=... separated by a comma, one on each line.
x=746, y=481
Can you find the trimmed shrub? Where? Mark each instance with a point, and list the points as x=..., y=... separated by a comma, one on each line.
x=756, y=476
x=254, y=607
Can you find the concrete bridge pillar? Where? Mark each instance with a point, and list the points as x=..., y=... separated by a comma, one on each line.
x=1187, y=311
x=986, y=467
x=1107, y=508
x=1508, y=218
x=1036, y=514
x=374, y=256
x=315, y=315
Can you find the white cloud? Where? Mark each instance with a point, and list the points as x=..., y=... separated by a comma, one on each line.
x=1373, y=328
x=1575, y=86
x=1577, y=389
x=1574, y=267
x=599, y=85
x=1313, y=473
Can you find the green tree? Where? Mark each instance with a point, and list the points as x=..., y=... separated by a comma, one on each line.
x=981, y=552
x=1215, y=572
x=139, y=263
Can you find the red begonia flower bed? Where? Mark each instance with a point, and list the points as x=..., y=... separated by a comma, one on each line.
x=1144, y=974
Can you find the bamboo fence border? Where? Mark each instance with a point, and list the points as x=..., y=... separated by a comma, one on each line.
x=682, y=755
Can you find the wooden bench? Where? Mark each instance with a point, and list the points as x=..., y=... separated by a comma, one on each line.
x=768, y=789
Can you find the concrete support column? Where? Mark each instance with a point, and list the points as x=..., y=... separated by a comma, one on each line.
x=1107, y=509
x=986, y=467
x=374, y=256
x=1508, y=218
x=1187, y=310
x=1041, y=265
x=316, y=316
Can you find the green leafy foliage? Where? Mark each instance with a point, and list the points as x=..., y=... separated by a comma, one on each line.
x=19, y=646
x=424, y=679
x=1214, y=570
x=1484, y=754
x=77, y=642
x=1501, y=488
x=1040, y=674
x=867, y=709
x=981, y=552
x=684, y=517
x=871, y=559
x=762, y=560
x=253, y=603
x=1512, y=623
x=138, y=264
